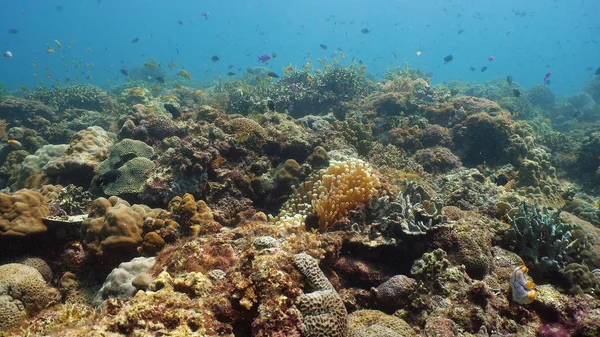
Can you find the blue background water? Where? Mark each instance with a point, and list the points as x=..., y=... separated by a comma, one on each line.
x=557, y=36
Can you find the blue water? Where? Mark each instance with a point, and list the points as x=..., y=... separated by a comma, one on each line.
x=527, y=38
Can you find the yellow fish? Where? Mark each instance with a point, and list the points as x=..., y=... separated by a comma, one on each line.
x=288, y=69
x=14, y=143
x=362, y=68
x=58, y=43
x=50, y=50
x=172, y=65
x=150, y=65
x=183, y=73
x=34, y=64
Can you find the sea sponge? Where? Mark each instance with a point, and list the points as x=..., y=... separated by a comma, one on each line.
x=22, y=290
x=323, y=311
x=119, y=283
x=112, y=228
x=21, y=213
x=334, y=191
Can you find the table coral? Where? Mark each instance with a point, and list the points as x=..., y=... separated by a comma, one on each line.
x=21, y=213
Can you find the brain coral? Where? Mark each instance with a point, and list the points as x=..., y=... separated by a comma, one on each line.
x=87, y=149
x=112, y=227
x=21, y=214
x=323, y=311
x=22, y=290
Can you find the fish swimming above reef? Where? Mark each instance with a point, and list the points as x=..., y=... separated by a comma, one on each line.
x=472, y=68
x=135, y=40
x=517, y=92
x=448, y=58
x=108, y=177
x=215, y=58
x=124, y=72
x=264, y=58
x=272, y=74
x=7, y=54
x=597, y=73
x=509, y=80
x=13, y=31
x=483, y=69
x=365, y=31
x=173, y=110
x=323, y=46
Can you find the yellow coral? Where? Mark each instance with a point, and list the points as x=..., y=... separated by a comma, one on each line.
x=333, y=192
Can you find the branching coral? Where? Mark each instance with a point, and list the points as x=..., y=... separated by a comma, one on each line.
x=540, y=237
x=334, y=191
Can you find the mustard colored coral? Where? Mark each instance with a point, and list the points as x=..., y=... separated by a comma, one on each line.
x=21, y=213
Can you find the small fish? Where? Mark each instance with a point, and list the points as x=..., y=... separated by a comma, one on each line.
x=135, y=40
x=7, y=55
x=173, y=110
x=184, y=73
x=461, y=31
x=231, y=73
x=418, y=53
x=272, y=74
x=180, y=22
x=597, y=73
x=13, y=31
x=14, y=143
x=491, y=58
x=362, y=68
x=124, y=72
x=271, y=105
x=205, y=15
x=172, y=65
x=264, y=58
x=516, y=92
x=50, y=50
x=323, y=46
x=58, y=44
x=215, y=58
x=483, y=69
x=509, y=80
x=288, y=69
x=160, y=79
x=108, y=177
x=502, y=180
x=150, y=65
x=365, y=31
x=448, y=58
x=472, y=68
x=547, y=78
x=24, y=88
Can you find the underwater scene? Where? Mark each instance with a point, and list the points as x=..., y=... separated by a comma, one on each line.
x=300, y=168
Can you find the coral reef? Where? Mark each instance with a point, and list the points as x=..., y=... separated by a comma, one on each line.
x=125, y=280
x=21, y=213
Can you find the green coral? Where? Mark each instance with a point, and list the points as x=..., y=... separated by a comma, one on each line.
x=540, y=237
x=131, y=159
